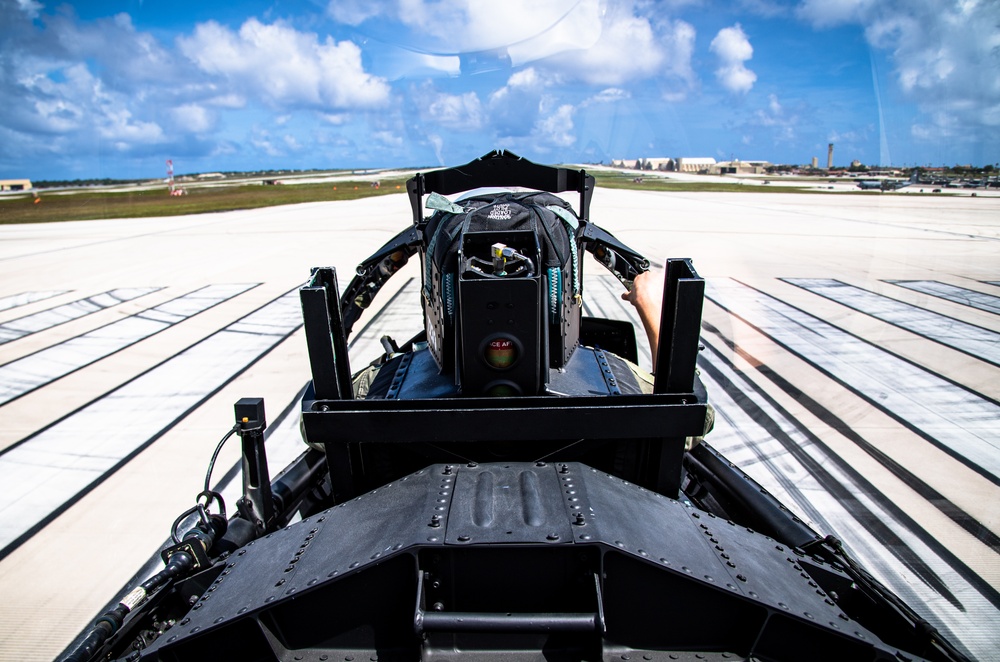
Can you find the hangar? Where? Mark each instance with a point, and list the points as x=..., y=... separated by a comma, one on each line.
x=15, y=184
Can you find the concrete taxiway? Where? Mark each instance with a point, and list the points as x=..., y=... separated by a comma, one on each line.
x=851, y=352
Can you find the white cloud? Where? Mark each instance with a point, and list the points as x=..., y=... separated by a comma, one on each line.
x=388, y=138
x=261, y=140
x=513, y=108
x=732, y=47
x=336, y=119
x=469, y=26
x=227, y=101
x=629, y=49
x=774, y=105
x=125, y=55
x=120, y=128
x=356, y=12
x=555, y=129
x=830, y=13
x=30, y=8
x=767, y=8
x=945, y=55
x=609, y=95
x=522, y=109
x=599, y=42
x=283, y=67
x=194, y=118
x=774, y=121
x=463, y=112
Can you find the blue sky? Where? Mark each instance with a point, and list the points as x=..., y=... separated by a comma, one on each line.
x=113, y=89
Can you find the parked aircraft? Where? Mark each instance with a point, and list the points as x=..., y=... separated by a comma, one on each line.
x=886, y=184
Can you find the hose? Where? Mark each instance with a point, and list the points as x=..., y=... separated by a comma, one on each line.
x=111, y=621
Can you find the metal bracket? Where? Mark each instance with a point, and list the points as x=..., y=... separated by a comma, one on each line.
x=257, y=502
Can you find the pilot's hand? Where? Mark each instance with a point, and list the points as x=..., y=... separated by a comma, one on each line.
x=647, y=297
x=646, y=294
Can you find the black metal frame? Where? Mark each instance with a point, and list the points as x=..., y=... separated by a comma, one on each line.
x=500, y=168
x=326, y=336
x=680, y=326
x=660, y=422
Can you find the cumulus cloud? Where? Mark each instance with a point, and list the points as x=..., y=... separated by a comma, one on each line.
x=282, y=66
x=469, y=26
x=732, y=48
x=631, y=47
x=72, y=86
x=608, y=95
x=627, y=49
x=29, y=7
x=462, y=112
x=193, y=117
x=524, y=109
x=555, y=128
x=776, y=120
x=945, y=55
x=599, y=42
x=513, y=108
x=830, y=13
x=770, y=124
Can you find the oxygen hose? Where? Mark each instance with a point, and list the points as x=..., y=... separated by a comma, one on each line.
x=105, y=626
x=187, y=555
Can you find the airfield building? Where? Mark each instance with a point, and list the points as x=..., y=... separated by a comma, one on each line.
x=683, y=164
x=739, y=167
x=15, y=184
x=695, y=164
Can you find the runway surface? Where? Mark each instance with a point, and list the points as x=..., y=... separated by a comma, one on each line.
x=851, y=353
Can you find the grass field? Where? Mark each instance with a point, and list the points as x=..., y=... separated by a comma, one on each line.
x=83, y=206
x=626, y=180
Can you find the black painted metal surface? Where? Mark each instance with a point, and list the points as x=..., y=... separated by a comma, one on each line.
x=509, y=561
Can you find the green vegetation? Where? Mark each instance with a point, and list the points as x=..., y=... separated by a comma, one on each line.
x=644, y=183
x=105, y=181
x=141, y=203
x=83, y=206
